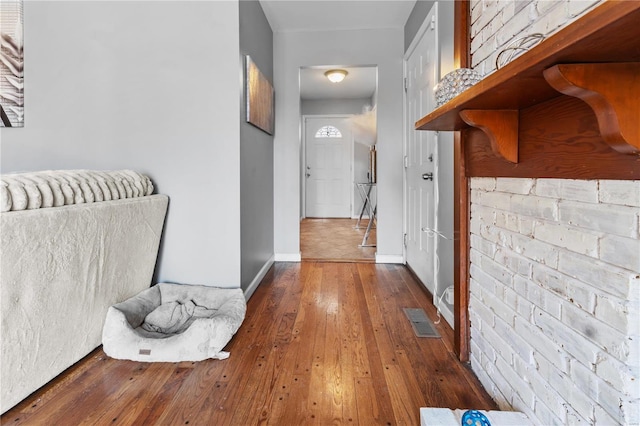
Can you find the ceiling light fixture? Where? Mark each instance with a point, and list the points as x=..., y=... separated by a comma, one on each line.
x=336, y=76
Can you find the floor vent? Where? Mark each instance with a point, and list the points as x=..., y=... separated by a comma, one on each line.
x=422, y=326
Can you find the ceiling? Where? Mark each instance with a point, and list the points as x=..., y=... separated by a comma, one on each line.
x=361, y=82
x=326, y=15
x=331, y=15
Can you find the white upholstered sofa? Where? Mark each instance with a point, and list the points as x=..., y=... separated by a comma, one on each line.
x=72, y=243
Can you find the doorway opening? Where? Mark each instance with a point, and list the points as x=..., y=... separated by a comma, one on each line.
x=338, y=191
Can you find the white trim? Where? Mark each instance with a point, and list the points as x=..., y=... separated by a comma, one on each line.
x=258, y=278
x=390, y=258
x=288, y=257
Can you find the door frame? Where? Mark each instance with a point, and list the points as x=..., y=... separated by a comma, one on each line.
x=303, y=160
x=412, y=47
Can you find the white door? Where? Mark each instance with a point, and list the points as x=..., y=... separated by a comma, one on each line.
x=420, y=150
x=327, y=167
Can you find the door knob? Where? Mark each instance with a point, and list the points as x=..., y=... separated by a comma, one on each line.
x=427, y=176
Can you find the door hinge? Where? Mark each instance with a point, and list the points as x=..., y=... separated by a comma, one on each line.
x=433, y=22
x=404, y=239
x=406, y=161
x=405, y=85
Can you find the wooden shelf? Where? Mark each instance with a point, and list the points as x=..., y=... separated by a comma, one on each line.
x=594, y=60
x=609, y=33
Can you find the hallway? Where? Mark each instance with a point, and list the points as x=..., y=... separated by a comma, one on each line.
x=322, y=343
x=336, y=240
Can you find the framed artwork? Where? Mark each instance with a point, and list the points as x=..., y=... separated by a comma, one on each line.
x=11, y=64
x=260, y=98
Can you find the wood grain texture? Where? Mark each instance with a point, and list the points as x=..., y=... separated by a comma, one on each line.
x=500, y=126
x=336, y=240
x=559, y=138
x=608, y=33
x=462, y=58
x=322, y=343
x=613, y=93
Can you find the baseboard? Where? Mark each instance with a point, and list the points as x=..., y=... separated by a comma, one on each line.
x=288, y=257
x=258, y=278
x=389, y=258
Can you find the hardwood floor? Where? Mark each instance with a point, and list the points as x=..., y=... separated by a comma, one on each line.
x=322, y=343
x=336, y=240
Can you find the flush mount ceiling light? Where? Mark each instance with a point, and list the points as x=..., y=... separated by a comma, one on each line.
x=336, y=76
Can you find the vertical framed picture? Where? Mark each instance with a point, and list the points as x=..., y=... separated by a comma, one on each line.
x=260, y=98
x=11, y=64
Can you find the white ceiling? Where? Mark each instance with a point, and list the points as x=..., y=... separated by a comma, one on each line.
x=331, y=15
x=321, y=15
x=361, y=82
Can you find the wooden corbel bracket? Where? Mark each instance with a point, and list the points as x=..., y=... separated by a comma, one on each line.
x=501, y=126
x=612, y=90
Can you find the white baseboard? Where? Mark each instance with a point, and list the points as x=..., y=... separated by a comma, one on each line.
x=288, y=257
x=258, y=278
x=389, y=258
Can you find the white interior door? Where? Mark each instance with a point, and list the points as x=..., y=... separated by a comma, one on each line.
x=422, y=70
x=328, y=143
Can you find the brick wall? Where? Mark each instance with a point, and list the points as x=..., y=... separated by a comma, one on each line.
x=555, y=293
x=495, y=23
x=555, y=269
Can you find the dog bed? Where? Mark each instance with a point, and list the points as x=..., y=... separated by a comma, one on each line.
x=174, y=322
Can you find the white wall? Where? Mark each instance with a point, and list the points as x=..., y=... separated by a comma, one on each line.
x=152, y=86
x=293, y=50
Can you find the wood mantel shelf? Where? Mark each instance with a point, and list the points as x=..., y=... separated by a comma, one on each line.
x=567, y=108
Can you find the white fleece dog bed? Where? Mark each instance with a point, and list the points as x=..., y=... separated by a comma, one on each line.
x=174, y=322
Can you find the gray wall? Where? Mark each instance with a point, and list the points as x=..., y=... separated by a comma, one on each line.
x=415, y=20
x=256, y=153
x=333, y=106
x=151, y=86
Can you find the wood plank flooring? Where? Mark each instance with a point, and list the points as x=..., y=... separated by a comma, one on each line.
x=336, y=240
x=322, y=343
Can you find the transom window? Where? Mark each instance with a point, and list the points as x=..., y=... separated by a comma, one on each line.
x=328, y=132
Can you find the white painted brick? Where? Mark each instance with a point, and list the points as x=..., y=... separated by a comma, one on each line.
x=496, y=271
x=513, y=26
x=516, y=343
x=621, y=192
x=501, y=348
x=514, y=186
x=601, y=417
x=485, y=349
x=618, y=375
x=525, y=226
x=484, y=314
x=567, y=237
x=611, y=340
x=610, y=279
x=516, y=384
x=574, y=396
x=547, y=400
x=537, y=251
x=568, y=189
x=617, y=220
x=534, y=206
x=574, y=291
x=544, y=299
x=620, y=251
x=613, y=311
x=611, y=400
x=542, y=345
x=555, y=18
x=573, y=343
x=485, y=247
x=579, y=7
x=575, y=418
x=513, y=262
x=508, y=221
x=483, y=279
x=476, y=11
x=585, y=378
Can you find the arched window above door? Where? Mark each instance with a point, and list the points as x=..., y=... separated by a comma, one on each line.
x=328, y=132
